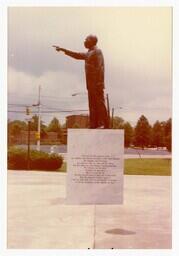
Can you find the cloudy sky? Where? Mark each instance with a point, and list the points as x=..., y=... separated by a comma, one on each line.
x=136, y=43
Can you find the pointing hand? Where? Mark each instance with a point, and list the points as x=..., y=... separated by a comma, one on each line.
x=57, y=48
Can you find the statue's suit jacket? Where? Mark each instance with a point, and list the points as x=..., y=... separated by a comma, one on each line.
x=94, y=67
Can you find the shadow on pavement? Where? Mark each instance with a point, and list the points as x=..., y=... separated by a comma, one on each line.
x=118, y=231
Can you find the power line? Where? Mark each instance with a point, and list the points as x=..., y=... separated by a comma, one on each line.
x=46, y=108
x=52, y=108
x=18, y=105
x=42, y=96
x=58, y=111
x=116, y=108
x=53, y=97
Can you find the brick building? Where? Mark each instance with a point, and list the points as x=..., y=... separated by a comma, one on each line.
x=77, y=121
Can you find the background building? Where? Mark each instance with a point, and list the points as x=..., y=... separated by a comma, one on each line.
x=77, y=121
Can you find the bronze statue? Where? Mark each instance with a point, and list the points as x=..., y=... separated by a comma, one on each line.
x=94, y=69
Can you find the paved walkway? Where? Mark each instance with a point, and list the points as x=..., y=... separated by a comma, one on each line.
x=38, y=217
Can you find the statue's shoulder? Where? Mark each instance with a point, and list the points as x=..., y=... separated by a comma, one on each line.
x=99, y=51
x=96, y=51
x=94, y=54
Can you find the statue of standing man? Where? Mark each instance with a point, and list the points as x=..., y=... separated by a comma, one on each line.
x=94, y=69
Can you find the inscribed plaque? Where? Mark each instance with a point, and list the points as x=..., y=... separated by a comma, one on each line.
x=95, y=166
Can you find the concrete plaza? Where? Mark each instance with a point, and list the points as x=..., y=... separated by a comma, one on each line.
x=38, y=217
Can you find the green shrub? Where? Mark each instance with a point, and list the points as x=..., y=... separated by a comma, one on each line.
x=17, y=158
x=39, y=160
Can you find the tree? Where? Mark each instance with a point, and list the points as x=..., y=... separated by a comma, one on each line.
x=15, y=127
x=34, y=126
x=118, y=123
x=54, y=126
x=128, y=135
x=168, y=127
x=21, y=124
x=14, y=130
x=158, y=134
x=34, y=123
x=142, y=132
x=168, y=134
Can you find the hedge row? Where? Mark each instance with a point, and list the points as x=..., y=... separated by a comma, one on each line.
x=17, y=160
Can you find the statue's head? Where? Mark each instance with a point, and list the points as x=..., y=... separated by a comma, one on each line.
x=90, y=41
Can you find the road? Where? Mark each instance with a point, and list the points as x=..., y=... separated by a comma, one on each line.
x=127, y=151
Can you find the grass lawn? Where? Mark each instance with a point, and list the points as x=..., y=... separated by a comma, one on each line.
x=148, y=166
x=145, y=166
x=63, y=168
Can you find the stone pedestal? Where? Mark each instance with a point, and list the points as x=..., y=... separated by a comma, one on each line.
x=95, y=166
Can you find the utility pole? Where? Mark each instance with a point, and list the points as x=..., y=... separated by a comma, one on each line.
x=28, y=138
x=112, y=121
x=108, y=109
x=28, y=148
x=39, y=119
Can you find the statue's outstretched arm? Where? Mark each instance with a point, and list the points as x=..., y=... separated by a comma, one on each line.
x=75, y=55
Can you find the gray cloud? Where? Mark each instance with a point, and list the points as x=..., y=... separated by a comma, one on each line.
x=137, y=47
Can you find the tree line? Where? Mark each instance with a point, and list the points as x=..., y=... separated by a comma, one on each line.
x=142, y=135
x=145, y=135
x=15, y=127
